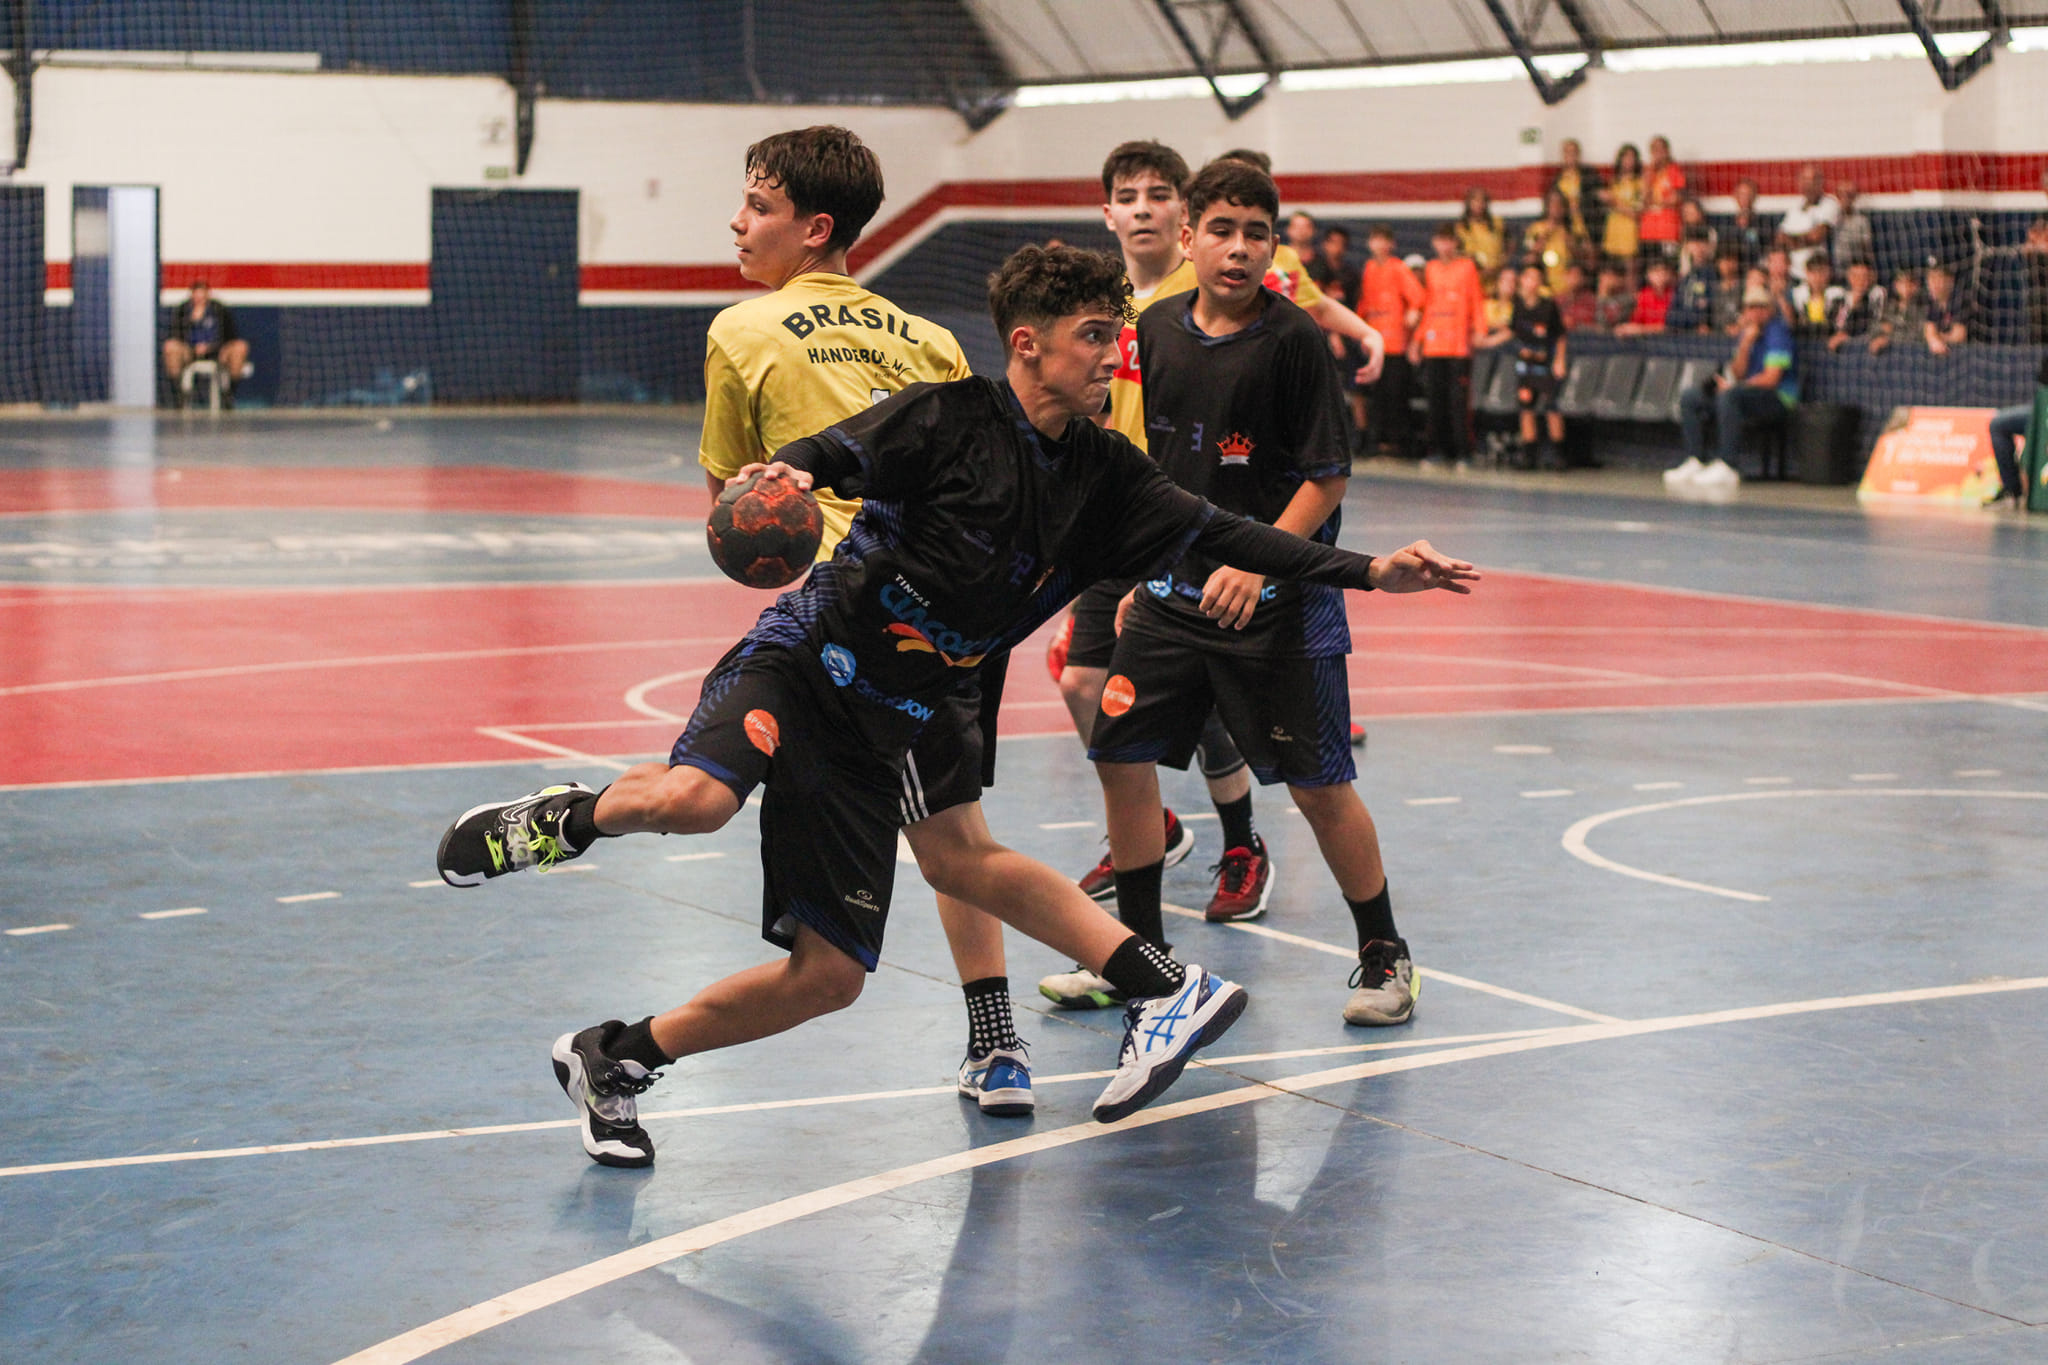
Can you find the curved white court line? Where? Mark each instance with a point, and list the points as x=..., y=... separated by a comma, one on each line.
x=517, y=1303
x=710, y=1110
x=1575, y=838
x=636, y=695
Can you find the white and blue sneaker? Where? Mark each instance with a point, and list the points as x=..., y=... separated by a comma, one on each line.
x=1162, y=1034
x=1000, y=1082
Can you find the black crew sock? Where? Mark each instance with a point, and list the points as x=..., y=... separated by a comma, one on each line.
x=635, y=1043
x=1141, y=970
x=989, y=1025
x=1236, y=816
x=579, y=824
x=1137, y=901
x=1374, y=917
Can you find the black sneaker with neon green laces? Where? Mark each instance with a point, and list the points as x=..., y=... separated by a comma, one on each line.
x=510, y=836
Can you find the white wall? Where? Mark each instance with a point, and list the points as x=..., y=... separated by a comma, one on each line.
x=338, y=167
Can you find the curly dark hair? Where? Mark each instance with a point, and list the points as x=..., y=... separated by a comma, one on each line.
x=823, y=169
x=1135, y=158
x=1039, y=285
x=1227, y=179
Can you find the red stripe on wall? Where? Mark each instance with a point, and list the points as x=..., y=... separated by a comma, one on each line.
x=1953, y=172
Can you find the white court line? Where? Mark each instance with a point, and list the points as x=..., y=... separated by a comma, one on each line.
x=432, y=881
x=1522, y=749
x=468, y=1322
x=309, y=896
x=25, y=930
x=357, y=661
x=691, y=857
x=1072, y=824
x=1768, y=781
x=636, y=695
x=172, y=914
x=1548, y=792
x=1434, y=800
x=1351, y=955
x=556, y=750
x=1873, y=777
x=1658, y=786
x=1200, y=815
x=1979, y=772
x=713, y=1110
x=1467, y=660
x=1575, y=838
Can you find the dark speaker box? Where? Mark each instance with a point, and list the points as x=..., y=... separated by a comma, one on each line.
x=1826, y=443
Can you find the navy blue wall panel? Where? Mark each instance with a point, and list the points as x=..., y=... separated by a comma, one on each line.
x=21, y=287
x=505, y=277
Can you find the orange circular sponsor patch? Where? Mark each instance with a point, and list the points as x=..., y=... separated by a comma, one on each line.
x=1117, y=695
x=763, y=732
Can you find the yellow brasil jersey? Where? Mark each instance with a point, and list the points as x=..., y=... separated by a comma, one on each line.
x=789, y=364
x=1126, y=386
x=1290, y=279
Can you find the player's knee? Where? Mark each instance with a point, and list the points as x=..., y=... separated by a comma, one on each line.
x=830, y=980
x=1329, y=804
x=1080, y=686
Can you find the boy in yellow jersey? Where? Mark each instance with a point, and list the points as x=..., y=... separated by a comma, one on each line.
x=1141, y=188
x=793, y=362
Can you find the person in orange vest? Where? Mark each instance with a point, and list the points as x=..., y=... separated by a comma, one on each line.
x=1390, y=299
x=1453, y=317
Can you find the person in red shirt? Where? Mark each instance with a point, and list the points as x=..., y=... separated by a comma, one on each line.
x=1453, y=317
x=1575, y=301
x=1653, y=301
x=1390, y=298
x=1663, y=190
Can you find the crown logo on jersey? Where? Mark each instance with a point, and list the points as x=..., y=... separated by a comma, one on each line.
x=1235, y=448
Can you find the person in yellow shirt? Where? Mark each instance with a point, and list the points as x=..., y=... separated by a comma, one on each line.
x=790, y=363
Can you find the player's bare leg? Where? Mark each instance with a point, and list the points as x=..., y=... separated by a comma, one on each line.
x=1384, y=984
x=814, y=979
x=996, y=1072
x=659, y=798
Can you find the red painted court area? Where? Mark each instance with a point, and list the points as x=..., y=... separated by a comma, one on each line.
x=100, y=684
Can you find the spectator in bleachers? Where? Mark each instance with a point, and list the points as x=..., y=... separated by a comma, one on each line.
x=1817, y=299
x=1905, y=315
x=1500, y=307
x=1301, y=234
x=1777, y=269
x=1580, y=186
x=1728, y=272
x=1613, y=306
x=1663, y=192
x=1692, y=222
x=203, y=328
x=1748, y=232
x=1453, y=317
x=2006, y=427
x=1553, y=240
x=1653, y=301
x=2035, y=250
x=1807, y=225
x=1761, y=387
x=1861, y=307
x=1624, y=200
x=1948, y=323
x=1480, y=235
x=1390, y=298
x=1854, y=239
x=1575, y=301
x=1537, y=330
x=1692, y=307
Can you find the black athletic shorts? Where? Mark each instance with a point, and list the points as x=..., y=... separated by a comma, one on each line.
x=1094, y=638
x=832, y=803
x=1535, y=387
x=1290, y=717
x=955, y=754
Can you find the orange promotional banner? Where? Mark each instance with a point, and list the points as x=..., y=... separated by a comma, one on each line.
x=1932, y=455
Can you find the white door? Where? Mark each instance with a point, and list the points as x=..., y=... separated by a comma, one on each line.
x=131, y=296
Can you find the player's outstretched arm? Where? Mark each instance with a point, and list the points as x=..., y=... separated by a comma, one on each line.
x=1418, y=568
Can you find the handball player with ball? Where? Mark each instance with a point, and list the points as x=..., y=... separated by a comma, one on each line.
x=987, y=505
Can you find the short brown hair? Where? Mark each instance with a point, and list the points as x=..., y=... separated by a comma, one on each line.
x=823, y=169
x=1227, y=179
x=1039, y=285
x=1250, y=157
x=1135, y=158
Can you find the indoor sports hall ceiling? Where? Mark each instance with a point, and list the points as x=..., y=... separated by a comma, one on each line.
x=1045, y=41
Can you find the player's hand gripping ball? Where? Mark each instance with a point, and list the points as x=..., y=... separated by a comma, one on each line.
x=764, y=532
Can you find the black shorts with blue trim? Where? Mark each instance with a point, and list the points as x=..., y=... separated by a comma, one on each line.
x=770, y=717
x=955, y=754
x=1291, y=717
x=1094, y=638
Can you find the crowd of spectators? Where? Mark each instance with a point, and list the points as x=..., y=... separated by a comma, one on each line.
x=1629, y=250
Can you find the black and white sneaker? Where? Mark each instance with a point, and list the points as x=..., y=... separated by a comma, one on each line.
x=509, y=836
x=602, y=1088
x=1383, y=986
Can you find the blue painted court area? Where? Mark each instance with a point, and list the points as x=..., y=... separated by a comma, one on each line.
x=1728, y=1046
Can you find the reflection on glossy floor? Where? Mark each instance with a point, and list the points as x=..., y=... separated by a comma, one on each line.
x=1715, y=831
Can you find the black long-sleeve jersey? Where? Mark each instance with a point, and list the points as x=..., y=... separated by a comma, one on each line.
x=1244, y=419
x=975, y=529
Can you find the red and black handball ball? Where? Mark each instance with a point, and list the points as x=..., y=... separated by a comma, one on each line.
x=765, y=532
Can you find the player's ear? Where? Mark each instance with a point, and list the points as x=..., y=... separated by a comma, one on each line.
x=1024, y=341
x=818, y=232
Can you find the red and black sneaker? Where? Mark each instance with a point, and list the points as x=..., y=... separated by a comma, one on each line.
x=1100, y=883
x=1357, y=735
x=1244, y=883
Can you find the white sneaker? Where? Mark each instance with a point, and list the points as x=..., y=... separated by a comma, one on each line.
x=1718, y=482
x=1683, y=475
x=999, y=1082
x=1079, y=989
x=1383, y=986
x=1162, y=1034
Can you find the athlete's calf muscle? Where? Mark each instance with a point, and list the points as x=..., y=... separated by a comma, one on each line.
x=657, y=798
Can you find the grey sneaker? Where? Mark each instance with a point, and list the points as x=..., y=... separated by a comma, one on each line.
x=1384, y=988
